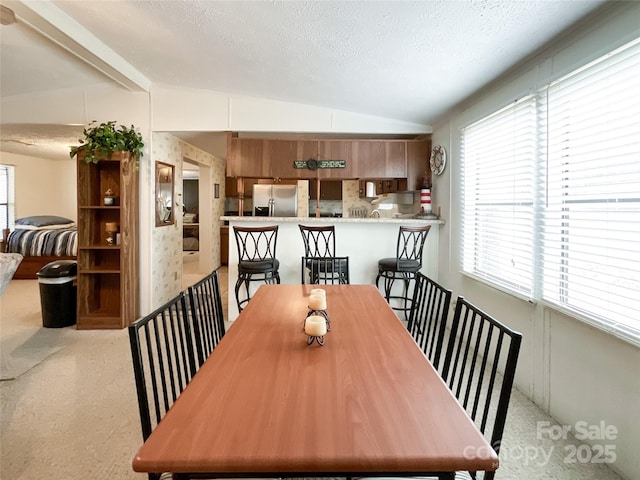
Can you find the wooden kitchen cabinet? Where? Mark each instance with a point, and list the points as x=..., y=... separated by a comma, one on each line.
x=418, y=154
x=380, y=159
x=266, y=158
x=245, y=158
x=231, y=186
x=387, y=185
x=329, y=189
x=336, y=150
x=281, y=154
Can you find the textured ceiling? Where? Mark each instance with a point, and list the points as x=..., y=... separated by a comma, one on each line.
x=405, y=60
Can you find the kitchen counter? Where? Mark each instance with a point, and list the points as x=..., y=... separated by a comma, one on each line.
x=335, y=220
x=363, y=240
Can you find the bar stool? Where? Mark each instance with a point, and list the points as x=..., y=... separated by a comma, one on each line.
x=319, y=256
x=256, y=258
x=404, y=266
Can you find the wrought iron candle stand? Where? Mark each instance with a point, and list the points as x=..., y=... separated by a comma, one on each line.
x=311, y=338
x=320, y=328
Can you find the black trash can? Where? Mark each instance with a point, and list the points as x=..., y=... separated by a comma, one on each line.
x=58, y=293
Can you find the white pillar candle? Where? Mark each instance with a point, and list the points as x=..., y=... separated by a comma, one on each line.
x=317, y=302
x=315, y=326
x=318, y=291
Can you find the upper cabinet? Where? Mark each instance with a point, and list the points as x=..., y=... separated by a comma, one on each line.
x=265, y=158
x=280, y=155
x=382, y=159
x=245, y=158
x=335, y=150
x=418, y=153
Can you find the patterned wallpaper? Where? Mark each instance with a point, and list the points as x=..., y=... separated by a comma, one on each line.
x=167, y=240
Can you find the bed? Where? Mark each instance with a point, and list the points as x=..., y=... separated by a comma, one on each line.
x=40, y=240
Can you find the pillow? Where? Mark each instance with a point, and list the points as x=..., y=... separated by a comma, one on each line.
x=43, y=222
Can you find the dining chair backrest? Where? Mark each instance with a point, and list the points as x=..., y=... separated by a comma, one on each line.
x=319, y=263
x=206, y=315
x=256, y=244
x=410, y=245
x=480, y=365
x=163, y=359
x=318, y=241
x=428, y=317
x=325, y=270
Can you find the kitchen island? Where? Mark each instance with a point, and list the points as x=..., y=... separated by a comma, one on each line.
x=363, y=240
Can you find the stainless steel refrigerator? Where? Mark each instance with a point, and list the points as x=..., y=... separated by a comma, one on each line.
x=275, y=200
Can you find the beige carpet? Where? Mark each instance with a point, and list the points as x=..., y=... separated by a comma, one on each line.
x=24, y=342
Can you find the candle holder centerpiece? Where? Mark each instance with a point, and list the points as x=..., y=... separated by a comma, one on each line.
x=316, y=323
x=318, y=305
x=315, y=326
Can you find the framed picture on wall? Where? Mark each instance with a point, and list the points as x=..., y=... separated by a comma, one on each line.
x=164, y=194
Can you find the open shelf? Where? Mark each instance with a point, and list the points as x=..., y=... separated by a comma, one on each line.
x=108, y=292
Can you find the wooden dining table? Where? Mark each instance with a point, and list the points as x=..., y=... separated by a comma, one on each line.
x=267, y=404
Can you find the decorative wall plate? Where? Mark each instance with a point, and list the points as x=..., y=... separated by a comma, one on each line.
x=438, y=159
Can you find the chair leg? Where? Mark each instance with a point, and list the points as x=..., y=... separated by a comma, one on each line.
x=242, y=280
x=406, y=280
x=388, y=285
x=237, y=291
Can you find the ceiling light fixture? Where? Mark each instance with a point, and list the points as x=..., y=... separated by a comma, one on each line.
x=7, y=17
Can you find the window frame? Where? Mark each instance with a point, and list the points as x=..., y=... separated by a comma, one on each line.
x=617, y=320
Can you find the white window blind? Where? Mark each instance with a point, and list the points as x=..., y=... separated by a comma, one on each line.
x=551, y=195
x=7, y=197
x=498, y=171
x=591, y=214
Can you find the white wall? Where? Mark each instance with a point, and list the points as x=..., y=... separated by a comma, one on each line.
x=43, y=187
x=573, y=371
x=201, y=110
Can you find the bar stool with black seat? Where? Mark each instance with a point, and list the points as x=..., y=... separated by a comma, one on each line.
x=319, y=263
x=404, y=266
x=256, y=258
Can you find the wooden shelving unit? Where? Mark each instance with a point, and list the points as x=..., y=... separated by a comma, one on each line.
x=108, y=291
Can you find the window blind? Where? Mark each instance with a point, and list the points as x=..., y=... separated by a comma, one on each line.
x=551, y=195
x=7, y=197
x=498, y=164
x=591, y=216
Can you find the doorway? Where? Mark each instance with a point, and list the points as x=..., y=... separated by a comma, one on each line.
x=196, y=225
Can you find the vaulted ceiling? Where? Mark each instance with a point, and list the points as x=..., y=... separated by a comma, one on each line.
x=403, y=60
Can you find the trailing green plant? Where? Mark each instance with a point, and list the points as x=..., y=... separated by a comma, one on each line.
x=101, y=141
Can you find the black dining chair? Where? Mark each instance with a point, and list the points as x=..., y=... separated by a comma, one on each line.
x=479, y=368
x=162, y=351
x=256, y=258
x=206, y=315
x=404, y=266
x=320, y=263
x=428, y=318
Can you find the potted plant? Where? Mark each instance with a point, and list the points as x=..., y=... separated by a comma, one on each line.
x=101, y=141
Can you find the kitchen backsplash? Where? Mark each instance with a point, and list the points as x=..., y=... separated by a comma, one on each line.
x=387, y=206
